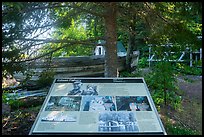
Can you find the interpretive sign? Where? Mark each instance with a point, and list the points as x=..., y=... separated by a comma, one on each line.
x=98, y=106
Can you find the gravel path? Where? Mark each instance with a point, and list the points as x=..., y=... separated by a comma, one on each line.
x=191, y=115
x=192, y=86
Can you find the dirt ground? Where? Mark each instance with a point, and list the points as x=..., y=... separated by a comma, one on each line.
x=190, y=115
x=192, y=103
x=19, y=122
x=192, y=85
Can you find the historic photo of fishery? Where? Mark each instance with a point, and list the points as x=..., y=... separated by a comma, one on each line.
x=117, y=121
x=63, y=103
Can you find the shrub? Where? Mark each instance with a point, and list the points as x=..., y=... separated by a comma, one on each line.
x=162, y=83
x=143, y=62
x=12, y=101
x=178, y=130
x=46, y=78
x=185, y=69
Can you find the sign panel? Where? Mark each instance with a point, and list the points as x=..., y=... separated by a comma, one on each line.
x=98, y=106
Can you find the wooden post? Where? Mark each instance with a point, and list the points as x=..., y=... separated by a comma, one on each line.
x=135, y=58
x=191, y=64
x=196, y=60
x=200, y=53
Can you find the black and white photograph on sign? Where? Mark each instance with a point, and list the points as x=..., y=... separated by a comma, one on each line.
x=63, y=103
x=79, y=89
x=90, y=90
x=98, y=103
x=117, y=121
x=132, y=103
x=58, y=116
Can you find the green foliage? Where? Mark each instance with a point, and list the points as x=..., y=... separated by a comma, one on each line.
x=94, y=26
x=180, y=21
x=162, y=83
x=10, y=68
x=19, y=20
x=175, y=22
x=12, y=101
x=179, y=130
x=158, y=97
x=160, y=80
x=198, y=63
x=186, y=69
x=143, y=62
x=46, y=78
x=75, y=32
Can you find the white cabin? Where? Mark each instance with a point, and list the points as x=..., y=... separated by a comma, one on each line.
x=100, y=50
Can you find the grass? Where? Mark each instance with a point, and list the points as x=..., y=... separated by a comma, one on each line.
x=179, y=130
x=184, y=121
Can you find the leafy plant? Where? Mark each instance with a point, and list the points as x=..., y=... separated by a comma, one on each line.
x=185, y=69
x=162, y=83
x=46, y=78
x=12, y=101
x=179, y=130
x=143, y=62
x=76, y=31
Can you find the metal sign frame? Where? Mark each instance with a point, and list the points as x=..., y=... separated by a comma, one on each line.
x=118, y=106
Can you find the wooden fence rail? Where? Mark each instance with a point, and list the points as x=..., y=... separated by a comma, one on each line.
x=63, y=67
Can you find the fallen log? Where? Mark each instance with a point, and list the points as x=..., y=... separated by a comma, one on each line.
x=73, y=61
x=80, y=66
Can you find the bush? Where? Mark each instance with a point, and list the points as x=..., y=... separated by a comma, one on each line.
x=46, y=78
x=178, y=130
x=143, y=62
x=162, y=83
x=185, y=69
x=12, y=101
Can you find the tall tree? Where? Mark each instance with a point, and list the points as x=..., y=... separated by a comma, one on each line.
x=111, y=40
x=20, y=20
x=107, y=12
x=129, y=22
x=50, y=8
x=173, y=21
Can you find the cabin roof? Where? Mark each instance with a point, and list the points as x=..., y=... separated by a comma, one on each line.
x=120, y=47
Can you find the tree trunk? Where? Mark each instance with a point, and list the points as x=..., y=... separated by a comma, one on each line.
x=131, y=43
x=111, y=41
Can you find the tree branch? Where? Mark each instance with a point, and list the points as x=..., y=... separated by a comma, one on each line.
x=88, y=11
x=158, y=14
x=40, y=27
x=72, y=42
x=59, y=41
x=61, y=6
